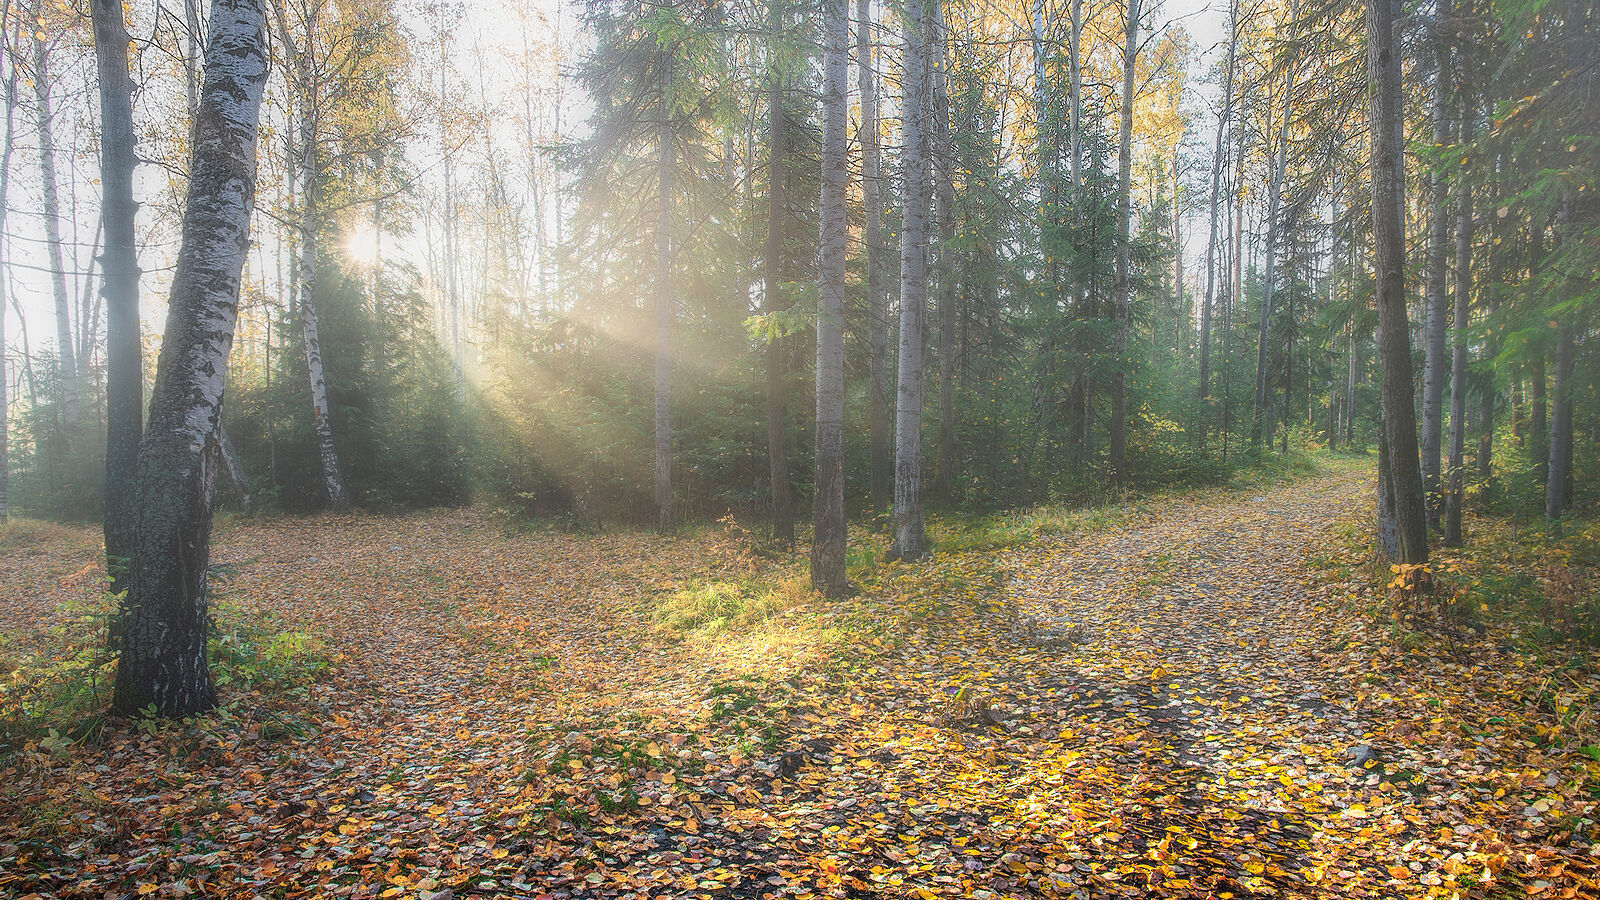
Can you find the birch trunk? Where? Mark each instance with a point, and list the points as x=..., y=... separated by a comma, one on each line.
x=882, y=474
x=777, y=394
x=663, y=313
x=1394, y=339
x=304, y=87
x=909, y=540
x=306, y=277
x=162, y=643
x=828, y=545
x=70, y=394
x=119, y=266
x=236, y=473
x=1119, y=382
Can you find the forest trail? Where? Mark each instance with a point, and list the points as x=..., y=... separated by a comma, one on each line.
x=1165, y=708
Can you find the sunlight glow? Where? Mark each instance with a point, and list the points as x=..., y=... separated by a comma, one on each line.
x=363, y=245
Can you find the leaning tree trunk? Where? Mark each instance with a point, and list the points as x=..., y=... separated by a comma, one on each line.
x=241, y=481
x=1394, y=338
x=828, y=545
x=663, y=312
x=1119, y=381
x=909, y=540
x=162, y=663
x=1456, y=474
x=70, y=393
x=119, y=266
x=882, y=474
x=777, y=385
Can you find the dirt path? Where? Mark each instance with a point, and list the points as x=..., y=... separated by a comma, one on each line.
x=1164, y=709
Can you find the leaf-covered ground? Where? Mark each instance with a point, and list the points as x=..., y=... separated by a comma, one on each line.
x=1173, y=707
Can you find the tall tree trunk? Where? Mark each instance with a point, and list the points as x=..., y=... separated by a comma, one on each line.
x=1538, y=376
x=777, y=386
x=1434, y=295
x=1180, y=314
x=1388, y=523
x=7, y=144
x=119, y=266
x=236, y=473
x=945, y=215
x=304, y=87
x=162, y=661
x=828, y=546
x=42, y=78
x=1458, y=359
x=1394, y=338
x=664, y=311
x=882, y=473
x=909, y=540
x=1217, y=160
x=1559, y=471
x=1280, y=161
x=1350, y=388
x=1119, y=381
x=1560, y=466
x=1075, y=91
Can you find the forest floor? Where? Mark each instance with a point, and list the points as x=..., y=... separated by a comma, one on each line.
x=1164, y=700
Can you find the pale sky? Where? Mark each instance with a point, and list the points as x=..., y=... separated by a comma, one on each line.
x=27, y=275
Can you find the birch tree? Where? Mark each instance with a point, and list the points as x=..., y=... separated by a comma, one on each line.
x=307, y=85
x=910, y=542
x=873, y=252
x=162, y=662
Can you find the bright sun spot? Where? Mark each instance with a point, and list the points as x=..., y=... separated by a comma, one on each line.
x=362, y=245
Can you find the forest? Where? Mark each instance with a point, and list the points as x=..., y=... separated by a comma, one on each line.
x=809, y=448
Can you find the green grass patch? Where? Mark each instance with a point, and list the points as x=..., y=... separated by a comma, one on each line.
x=56, y=696
x=708, y=607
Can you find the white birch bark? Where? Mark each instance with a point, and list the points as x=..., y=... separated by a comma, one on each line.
x=162, y=641
x=872, y=237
